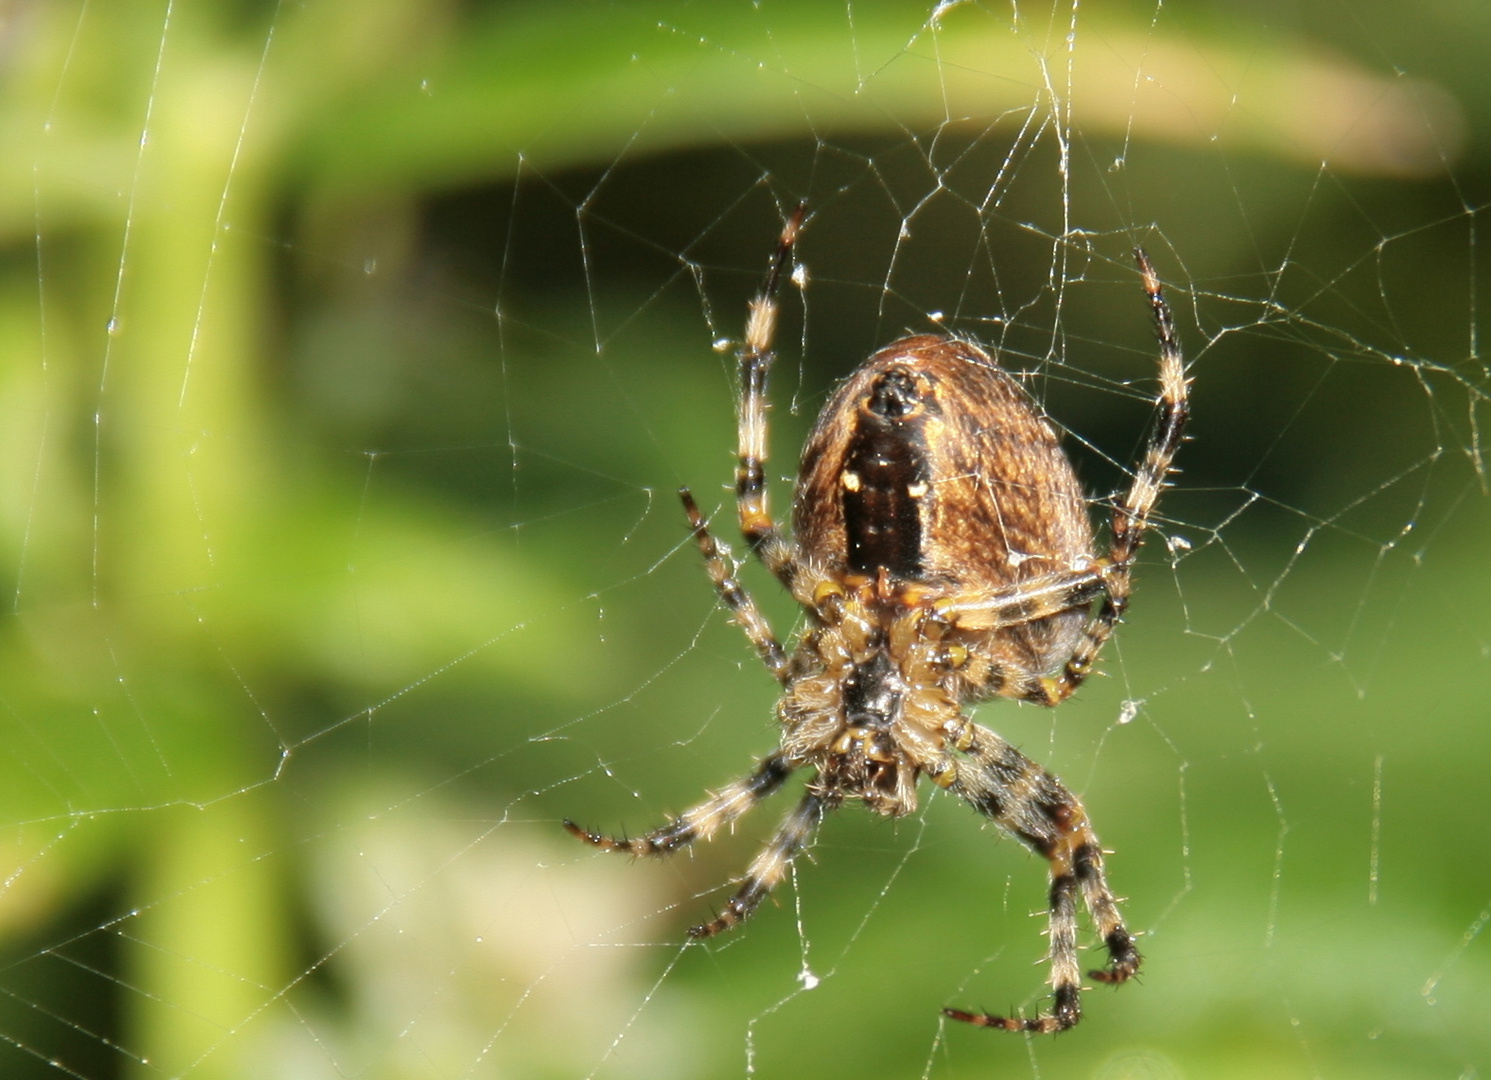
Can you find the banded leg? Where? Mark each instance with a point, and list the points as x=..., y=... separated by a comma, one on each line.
x=1029, y=802
x=1028, y=602
x=704, y=820
x=769, y=867
x=1131, y=515
x=720, y=566
x=1032, y=599
x=756, y=357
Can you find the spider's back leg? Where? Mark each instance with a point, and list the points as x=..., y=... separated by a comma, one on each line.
x=742, y=605
x=1131, y=515
x=756, y=357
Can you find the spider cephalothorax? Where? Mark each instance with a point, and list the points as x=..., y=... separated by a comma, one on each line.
x=943, y=553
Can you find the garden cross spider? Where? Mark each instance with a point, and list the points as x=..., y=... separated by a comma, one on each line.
x=943, y=553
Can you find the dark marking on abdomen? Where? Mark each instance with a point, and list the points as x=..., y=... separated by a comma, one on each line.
x=886, y=479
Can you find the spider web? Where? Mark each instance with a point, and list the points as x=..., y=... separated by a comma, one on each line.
x=354, y=353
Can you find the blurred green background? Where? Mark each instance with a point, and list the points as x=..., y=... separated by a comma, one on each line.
x=353, y=351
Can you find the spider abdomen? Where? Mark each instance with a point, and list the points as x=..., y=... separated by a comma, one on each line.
x=885, y=476
x=931, y=464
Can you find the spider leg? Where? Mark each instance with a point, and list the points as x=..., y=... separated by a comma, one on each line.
x=704, y=820
x=1028, y=602
x=1131, y=515
x=1032, y=599
x=1029, y=802
x=756, y=357
x=769, y=867
x=719, y=564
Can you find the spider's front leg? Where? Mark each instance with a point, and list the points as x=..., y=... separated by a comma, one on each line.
x=769, y=867
x=704, y=820
x=1028, y=801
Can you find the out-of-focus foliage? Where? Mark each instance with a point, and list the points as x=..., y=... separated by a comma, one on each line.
x=352, y=352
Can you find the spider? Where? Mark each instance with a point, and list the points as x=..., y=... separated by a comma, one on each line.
x=943, y=554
